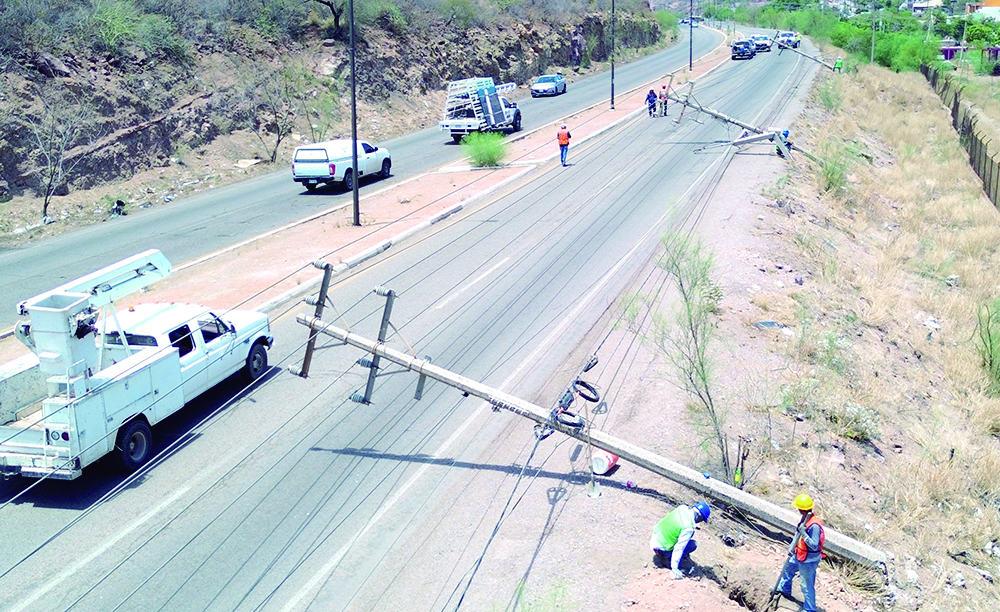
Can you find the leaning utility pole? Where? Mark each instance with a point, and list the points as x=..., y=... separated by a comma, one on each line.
x=872, y=58
x=572, y=425
x=354, y=118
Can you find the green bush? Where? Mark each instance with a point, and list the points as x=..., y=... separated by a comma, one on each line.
x=668, y=22
x=463, y=13
x=386, y=12
x=485, y=149
x=854, y=421
x=114, y=23
x=829, y=95
x=157, y=35
x=833, y=169
x=988, y=340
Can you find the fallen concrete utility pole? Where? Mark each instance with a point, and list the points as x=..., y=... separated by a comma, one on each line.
x=782, y=47
x=690, y=101
x=777, y=517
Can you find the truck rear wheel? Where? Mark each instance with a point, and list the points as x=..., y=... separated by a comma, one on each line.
x=457, y=138
x=349, y=180
x=134, y=444
x=310, y=187
x=256, y=363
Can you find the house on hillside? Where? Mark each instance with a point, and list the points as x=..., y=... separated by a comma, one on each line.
x=986, y=9
x=918, y=7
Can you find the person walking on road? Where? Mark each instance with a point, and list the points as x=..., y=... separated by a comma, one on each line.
x=563, y=137
x=664, y=97
x=806, y=556
x=651, y=102
x=673, y=537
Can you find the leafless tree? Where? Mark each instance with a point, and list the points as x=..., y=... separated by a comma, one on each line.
x=269, y=106
x=61, y=124
x=337, y=8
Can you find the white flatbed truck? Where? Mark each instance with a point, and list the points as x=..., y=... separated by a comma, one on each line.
x=476, y=105
x=102, y=378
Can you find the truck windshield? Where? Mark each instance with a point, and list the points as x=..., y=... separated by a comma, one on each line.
x=305, y=155
x=132, y=339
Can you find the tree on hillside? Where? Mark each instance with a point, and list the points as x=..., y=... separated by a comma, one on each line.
x=61, y=124
x=337, y=8
x=268, y=105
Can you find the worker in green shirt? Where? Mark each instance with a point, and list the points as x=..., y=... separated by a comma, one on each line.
x=838, y=64
x=673, y=537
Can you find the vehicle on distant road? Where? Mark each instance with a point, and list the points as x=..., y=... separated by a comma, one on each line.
x=476, y=105
x=762, y=42
x=102, y=378
x=743, y=49
x=331, y=162
x=788, y=39
x=548, y=85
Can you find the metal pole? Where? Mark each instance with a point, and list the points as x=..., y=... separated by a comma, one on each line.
x=872, y=58
x=690, y=35
x=324, y=288
x=612, y=54
x=354, y=118
x=776, y=516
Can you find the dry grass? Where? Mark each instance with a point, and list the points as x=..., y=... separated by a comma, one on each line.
x=902, y=249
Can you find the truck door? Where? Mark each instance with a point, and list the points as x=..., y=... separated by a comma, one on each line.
x=219, y=344
x=368, y=160
x=193, y=361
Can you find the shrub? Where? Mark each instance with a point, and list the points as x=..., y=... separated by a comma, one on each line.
x=461, y=12
x=157, y=35
x=829, y=95
x=486, y=149
x=988, y=338
x=114, y=23
x=668, y=22
x=833, y=168
x=854, y=421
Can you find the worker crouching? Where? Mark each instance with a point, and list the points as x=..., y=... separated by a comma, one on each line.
x=673, y=537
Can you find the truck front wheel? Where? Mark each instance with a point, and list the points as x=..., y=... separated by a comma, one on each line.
x=457, y=138
x=134, y=444
x=256, y=363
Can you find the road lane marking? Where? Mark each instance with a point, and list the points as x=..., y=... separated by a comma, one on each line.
x=318, y=579
x=97, y=552
x=474, y=281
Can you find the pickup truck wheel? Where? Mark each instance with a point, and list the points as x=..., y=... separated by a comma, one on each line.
x=386, y=168
x=349, y=180
x=310, y=187
x=256, y=363
x=517, y=122
x=134, y=444
x=457, y=138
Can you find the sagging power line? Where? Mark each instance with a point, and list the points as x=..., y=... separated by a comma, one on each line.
x=574, y=426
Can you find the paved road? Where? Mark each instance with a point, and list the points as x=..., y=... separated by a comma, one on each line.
x=295, y=496
x=203, y=223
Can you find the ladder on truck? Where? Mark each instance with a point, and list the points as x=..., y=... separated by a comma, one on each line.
x=470, y=94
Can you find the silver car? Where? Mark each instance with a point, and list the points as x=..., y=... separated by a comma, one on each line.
x=548, y=85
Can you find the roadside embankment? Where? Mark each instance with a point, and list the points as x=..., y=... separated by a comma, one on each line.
x=979, y=135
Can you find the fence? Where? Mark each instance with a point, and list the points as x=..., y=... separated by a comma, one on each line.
x=984, y=155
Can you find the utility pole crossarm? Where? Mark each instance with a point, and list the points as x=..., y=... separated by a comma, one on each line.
x=773, y=515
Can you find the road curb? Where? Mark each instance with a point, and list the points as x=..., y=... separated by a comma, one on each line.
x=354, y=261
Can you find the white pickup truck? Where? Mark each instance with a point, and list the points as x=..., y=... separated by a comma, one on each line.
x=103, y=378
x=476, y=105
x=331, y=162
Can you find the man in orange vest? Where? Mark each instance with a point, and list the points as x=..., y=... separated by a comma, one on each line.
x=807, y=554
x=563, y=137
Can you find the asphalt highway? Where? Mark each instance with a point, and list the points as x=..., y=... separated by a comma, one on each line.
x=208, y=221
x=294, y=497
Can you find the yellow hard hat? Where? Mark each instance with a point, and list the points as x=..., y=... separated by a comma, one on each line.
x=803, y=501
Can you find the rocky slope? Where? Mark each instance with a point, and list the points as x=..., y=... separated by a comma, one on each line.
x=140, y=111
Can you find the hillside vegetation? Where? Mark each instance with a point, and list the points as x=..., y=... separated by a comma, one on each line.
x=95, y=91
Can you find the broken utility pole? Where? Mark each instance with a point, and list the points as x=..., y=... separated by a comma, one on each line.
x=773, y=515
x=783, y=46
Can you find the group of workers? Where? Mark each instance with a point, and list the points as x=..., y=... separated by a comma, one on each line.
x=673, y=542
x=652, y=99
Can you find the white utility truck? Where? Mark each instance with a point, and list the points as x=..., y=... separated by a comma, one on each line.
x=104, y=377
x=331, y=162
x=475, y=105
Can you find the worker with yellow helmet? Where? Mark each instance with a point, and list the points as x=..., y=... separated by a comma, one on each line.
x=807, y=553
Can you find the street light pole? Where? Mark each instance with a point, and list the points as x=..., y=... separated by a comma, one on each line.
x=690, y=35
x=354, y=118
x=612, y=54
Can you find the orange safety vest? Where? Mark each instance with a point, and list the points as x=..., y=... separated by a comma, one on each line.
x=801, y=550
x=563, y=137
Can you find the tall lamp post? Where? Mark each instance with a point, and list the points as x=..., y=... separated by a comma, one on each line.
x=612, y=54
x=354, y=119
